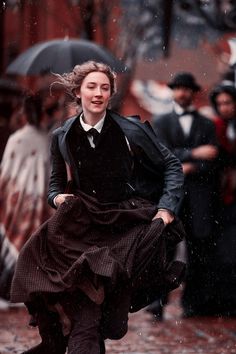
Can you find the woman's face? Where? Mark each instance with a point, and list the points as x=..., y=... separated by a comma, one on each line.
x=94, y=93
x=226, y=106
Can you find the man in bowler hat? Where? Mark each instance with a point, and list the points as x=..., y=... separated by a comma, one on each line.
x=191, y=137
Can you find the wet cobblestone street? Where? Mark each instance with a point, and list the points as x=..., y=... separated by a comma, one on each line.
x=174, y=335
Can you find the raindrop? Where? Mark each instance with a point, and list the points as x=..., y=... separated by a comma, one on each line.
x=4, y=6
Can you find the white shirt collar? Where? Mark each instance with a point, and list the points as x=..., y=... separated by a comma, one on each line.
x=97, y=126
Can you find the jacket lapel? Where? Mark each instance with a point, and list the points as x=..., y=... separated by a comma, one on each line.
x=176, y=129
x=62, y=139
x=193, y=131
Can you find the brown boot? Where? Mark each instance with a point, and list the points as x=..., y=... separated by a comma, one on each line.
x=50, y=330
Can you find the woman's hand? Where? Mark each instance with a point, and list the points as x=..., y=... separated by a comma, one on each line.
x=60, y=198
x=165, y=215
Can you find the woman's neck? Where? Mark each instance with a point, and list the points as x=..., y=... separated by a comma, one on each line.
x=92, y=119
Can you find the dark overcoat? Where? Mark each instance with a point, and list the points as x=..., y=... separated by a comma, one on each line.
x=162, y=178
x=198, y=206
x=199, y=187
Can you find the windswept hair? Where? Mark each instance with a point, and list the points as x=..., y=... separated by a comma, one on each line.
x=73, y=80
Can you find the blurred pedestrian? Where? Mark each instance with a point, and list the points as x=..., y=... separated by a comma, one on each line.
x=24, y=175
x=192, y=138
x=11, y=95
x=95, y=259
x=222, y=301
x=5, y=131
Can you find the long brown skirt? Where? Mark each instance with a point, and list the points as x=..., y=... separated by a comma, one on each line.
x=86, y=244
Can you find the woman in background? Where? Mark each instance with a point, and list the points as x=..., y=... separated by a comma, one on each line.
x=222, y=300
x=24, y=174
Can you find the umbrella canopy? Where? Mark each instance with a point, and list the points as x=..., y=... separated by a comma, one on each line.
x=60, y=56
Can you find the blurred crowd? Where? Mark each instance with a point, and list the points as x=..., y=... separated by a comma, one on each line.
x=26, y=122
x=206, y=147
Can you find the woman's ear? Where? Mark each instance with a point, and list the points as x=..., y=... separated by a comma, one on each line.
x=77, y=93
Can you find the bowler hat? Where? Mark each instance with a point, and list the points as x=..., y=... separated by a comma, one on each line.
x=184, y=79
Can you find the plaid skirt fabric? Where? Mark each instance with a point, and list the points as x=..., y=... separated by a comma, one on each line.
x=86, y=244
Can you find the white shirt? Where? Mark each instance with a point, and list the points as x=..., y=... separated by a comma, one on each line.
x=230, y=132
x=185, y=119
x=98, y=126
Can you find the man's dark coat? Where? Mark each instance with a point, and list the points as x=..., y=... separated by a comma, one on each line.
x=199, y=186
x=162, y=178
x=197, y=209
x=170, y=133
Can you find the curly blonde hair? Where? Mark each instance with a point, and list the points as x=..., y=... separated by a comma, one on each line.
x=73, y=80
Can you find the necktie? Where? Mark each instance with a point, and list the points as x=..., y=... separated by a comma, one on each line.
x=95, y=134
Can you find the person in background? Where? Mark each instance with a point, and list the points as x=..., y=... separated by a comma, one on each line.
x=5, y=131
x=24, y=175
x=222, y=301
x=11, y=95
x=192, y=138
x=105, y=250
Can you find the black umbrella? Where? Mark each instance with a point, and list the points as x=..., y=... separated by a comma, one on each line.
x=60, y=56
